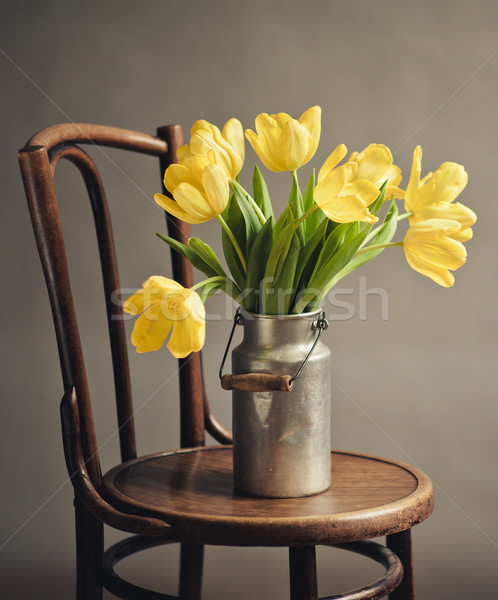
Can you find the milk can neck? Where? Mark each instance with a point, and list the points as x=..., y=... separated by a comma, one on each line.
x=282, y=329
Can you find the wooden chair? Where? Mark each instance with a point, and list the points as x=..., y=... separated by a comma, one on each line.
x=185, y=496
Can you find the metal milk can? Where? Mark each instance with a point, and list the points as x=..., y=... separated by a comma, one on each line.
x=281, y=411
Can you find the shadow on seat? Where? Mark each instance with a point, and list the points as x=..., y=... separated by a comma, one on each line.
x=186, y=496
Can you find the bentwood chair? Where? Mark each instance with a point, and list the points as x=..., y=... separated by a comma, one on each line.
x=186, y=496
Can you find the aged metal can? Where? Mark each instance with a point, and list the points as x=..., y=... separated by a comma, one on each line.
x=282, y=438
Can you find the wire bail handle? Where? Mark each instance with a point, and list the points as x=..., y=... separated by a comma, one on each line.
x=265, y=382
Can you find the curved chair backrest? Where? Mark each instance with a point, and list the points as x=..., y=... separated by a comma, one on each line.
x=38, y=160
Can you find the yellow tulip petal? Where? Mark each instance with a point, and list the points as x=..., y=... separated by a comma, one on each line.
x=261, y=151
x=188, y=334
x=351, y=208
x=311, y=119
x=234, y=133
x=374, y=163
x=217, y=189
x=436, y=228
x=431, y=250
x=345, y=202
x=332, y=161
x=454, y=211
x=135, y=304
x=283, y=143
x=446, y=253
x=280, y=119
x=464, y=235
x=392, y=190
x=150, y=330
x=449, y=181
x=439, y=275
x=175, y=174
x=173, y=208
x=193, y=202
x=327, y=191
x=269, y=134
x=394, y=177
x=185, y=339
x=162, y=284
x=413, y=185
x=182, y=152
x=295, y=142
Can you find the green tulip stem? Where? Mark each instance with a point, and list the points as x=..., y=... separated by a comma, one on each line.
x=404, y=216
x=307, y=214
x=204, y=282
x=256, y=208
x=234, y=241
x=378, y=247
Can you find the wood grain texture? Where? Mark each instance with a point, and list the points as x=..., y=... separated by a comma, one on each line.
x=102, y=135
x=257, y=382
x=193, y=491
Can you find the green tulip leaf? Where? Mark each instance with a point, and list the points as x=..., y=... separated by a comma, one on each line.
x=307, y=252
x=375, y=207
x=197, y=261
x=256, y=265
x=261, y=195
x=207, y=254
x=209, y=289
x=280, y=300
x=296, y=204
x=251, y=221
x=233, y=218
x=382, y=235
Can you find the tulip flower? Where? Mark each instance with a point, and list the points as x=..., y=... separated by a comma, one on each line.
x=283, y=143
x=430, y=249
x=433, y=196
x=199, y=186
x=340, y=194
x=164, y=305
x=227, y=145
x=375, y=163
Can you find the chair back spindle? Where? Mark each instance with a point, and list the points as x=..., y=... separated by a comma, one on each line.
x=38, y=160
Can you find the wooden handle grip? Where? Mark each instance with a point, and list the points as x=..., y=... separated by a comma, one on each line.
x=257, y=382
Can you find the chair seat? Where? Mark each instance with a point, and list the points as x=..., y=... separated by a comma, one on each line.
x=192, y=489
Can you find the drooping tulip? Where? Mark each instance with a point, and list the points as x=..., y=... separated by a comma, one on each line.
x=430, y=249
x=165, y=306
x=433, y=196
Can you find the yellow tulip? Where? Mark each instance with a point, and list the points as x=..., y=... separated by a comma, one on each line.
x=430, y=249
x=199, y=186
x=283, y=143
x=340, y=194
x=227, y=145
x=164, y=305
x=375, y=163
x=433, y=196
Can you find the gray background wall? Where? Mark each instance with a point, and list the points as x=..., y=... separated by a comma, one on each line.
x=418, y=387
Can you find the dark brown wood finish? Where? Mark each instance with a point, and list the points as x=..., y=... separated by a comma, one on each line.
x=401, y=544
x=257, y=382
x=302, y=572
x=193, y=491
x=187, y=495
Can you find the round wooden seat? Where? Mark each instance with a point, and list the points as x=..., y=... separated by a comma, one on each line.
x=193, y=491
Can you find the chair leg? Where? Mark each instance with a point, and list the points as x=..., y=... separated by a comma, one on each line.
x=302, y=571
x=191, y=563
x=89, y=555
x=401, y=544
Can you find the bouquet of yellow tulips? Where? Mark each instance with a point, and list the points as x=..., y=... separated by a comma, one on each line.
x=288, y=264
